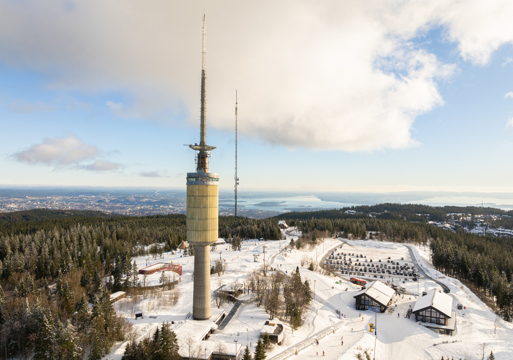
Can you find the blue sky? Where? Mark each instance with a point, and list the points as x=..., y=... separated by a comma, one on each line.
x=336, y=96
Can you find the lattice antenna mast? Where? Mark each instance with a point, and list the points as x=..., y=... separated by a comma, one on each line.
x=203, y=149
x=236, y=177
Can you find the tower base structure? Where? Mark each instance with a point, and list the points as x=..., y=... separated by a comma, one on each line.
x=202, y=231
x=201, y=305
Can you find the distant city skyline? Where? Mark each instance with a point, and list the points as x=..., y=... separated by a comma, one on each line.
x=333, y=96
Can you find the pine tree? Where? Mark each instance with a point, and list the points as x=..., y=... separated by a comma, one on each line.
x=98, y=339
x=2, y=298
x=135, y=275
x=84, y=280
x=168, y=343
x=130, y=351
x=260, y=351
x=46, y=342
x=83, y=315
x=69, y=348
x=247, y=354
x=97, y=280
x=67, y=298
x=2, y=316
x=491, y=357
x=267, y=341
x=156, y=351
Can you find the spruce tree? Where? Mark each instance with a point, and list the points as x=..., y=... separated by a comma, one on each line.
x=247, y=354
x=491, y=357
x=69, y=347
x=130, y=351
x=84, y=280
x=97, y=280
x=267, y=341
x=260, y=351
x=135, y=275
x=2, y=298
x=46, y=342
x=168, y=343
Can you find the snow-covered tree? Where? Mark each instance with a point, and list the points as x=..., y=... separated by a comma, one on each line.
x=135, y=275
x=69, y=347
x=167, y=344
x=46, y=342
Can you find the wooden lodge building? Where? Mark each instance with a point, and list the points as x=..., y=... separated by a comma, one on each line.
x=376, y=295
x=434, y=310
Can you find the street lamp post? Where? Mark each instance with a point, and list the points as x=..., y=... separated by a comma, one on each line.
x=236, y=348
x=375, y=329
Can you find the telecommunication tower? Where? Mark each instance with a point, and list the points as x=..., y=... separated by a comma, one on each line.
x=202, y=207
x=236, y=177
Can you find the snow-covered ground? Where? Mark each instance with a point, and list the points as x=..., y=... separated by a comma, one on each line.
x=398, y=337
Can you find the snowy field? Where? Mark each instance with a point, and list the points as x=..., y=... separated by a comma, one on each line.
x=397, y=337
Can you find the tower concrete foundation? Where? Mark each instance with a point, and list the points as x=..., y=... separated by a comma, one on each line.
x=201, y=304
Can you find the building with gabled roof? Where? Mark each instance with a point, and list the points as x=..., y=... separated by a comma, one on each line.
x=376, y=295
x=434, y=310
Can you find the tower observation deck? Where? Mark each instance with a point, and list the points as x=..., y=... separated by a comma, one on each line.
x=202, y=208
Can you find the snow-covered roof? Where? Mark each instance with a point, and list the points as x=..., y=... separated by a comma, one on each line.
x=438, y=300
x=153, y=267
x=116, y=295
x=379, y=292
x=272, y=327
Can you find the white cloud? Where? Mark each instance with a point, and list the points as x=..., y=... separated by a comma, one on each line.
x=22, y=106
x=340, y=75
x=58, y=152
x=152, y=174
x=509, y=123
x=65, y=152
x=509, y=94
x=103, y=165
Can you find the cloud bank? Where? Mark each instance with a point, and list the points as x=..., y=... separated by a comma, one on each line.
x=151, y=174
x=337, y=75
x=58, y=152
x=102, y=165
x=65, y=152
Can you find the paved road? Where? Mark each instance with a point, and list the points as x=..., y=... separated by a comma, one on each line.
x=445, y=287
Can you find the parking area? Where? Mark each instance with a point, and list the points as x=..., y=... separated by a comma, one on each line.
x=372, y=265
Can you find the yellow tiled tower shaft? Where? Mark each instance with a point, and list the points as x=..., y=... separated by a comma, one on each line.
x=202, y=230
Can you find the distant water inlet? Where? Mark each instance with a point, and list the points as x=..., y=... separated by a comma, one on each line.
x=283, y=203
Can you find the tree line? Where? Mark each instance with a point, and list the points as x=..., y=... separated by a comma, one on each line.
x=392, y=211
x=485, y=262
x=55, y=266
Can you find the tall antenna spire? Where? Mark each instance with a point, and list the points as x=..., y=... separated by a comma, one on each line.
x=203, y=114
x=203, y=148
x=236, y=177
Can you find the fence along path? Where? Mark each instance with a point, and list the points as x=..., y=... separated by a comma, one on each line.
x=294, y=350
